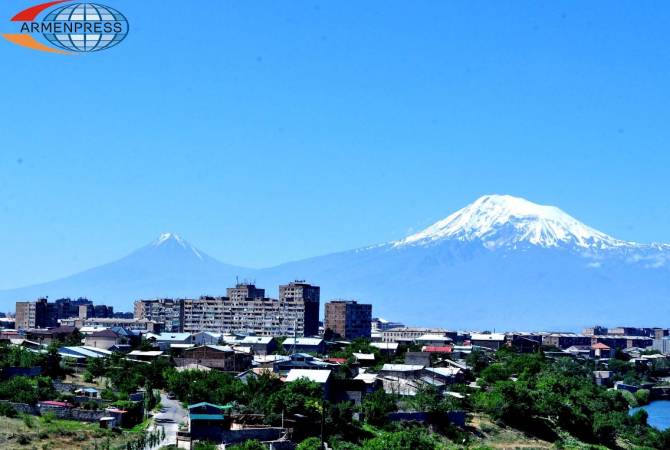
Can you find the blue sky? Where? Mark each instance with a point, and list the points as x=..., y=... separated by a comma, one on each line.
x=264, y=132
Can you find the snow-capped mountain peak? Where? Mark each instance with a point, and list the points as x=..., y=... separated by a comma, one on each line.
x=507, y=221
x=167, y=239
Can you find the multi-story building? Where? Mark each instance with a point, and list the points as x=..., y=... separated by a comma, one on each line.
x=300, y=302
x=621, y=342
x=65, y=308
x=42, y=314
x=245, y=291
x=411, y=334
x=662, y=345
x=379, y=324
x=167, y=310
x=246, y=310
x=143, y=325
x=565, y=340
x=103, y=311
x=348, y=319
x=32, y=314
x=630, y=331
x=595, y=330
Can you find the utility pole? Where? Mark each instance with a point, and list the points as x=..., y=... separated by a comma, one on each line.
x=323, y=417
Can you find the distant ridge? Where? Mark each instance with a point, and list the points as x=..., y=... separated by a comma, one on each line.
x=501, y=262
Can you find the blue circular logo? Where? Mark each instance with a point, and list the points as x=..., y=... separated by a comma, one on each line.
x=85, y=27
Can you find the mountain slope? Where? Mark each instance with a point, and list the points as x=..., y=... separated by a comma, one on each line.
x=169, y=266
x=501, y=262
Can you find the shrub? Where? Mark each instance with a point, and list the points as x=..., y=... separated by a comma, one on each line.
x=249, y=445
x=642, y=396
x=630, y=398
x=28, y=420
x=23, y=439
x=310, y=444
x=7, y=410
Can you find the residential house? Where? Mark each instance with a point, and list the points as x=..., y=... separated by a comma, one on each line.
x=260, y=345
x=300, y=361
x=404, y=371
x=492, y=341
x=221, y=357
x=208, y=338
x=305, y=345
x=149, y=355
x=322, y=377
x=388, y=348
x=601, y=351
x=164, y=341
x=105, y=339
x=48, y=335
x=434, y=340
x=208, y=420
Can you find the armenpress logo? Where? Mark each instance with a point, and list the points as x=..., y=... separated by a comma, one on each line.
x=69, y=27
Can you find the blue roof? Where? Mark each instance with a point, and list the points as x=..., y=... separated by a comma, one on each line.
x=201, y=404
x=207, y=417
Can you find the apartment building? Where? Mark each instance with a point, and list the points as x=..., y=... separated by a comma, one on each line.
x=246, y=310
x=244, y=291
x=300, y=302
x=32, y=314
x=348, y=319
x=41, y=313
x=167, y=310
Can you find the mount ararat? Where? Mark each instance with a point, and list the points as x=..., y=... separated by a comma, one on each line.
x=501, y=262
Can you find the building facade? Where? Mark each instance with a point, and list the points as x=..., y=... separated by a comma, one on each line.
x=41, y=313
x=348, y=319
x=167, y=310
x=32, y=314
x=300, y=302
x=411, y=334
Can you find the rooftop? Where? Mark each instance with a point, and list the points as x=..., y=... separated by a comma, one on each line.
x=318, y=376
x=401, y=367
x=303, y=341
x=487, y=337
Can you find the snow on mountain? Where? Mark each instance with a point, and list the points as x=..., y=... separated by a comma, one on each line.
x=171, y=239
x=506, y=221
x=500, y=262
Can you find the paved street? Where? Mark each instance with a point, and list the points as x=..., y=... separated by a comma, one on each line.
x=170, y=415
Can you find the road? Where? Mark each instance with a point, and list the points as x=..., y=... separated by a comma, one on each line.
x=170, y=415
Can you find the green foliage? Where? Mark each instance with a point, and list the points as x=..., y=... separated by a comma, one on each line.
x=561, y=395
x=477, y=361
x=642, y=396
x=377, y=405
x=194, y=386
x=248, y=445
x=27, y=390
x=630, y=398
x=7, y=410
x=205, y=446
x=415, y=439
x=312, y=443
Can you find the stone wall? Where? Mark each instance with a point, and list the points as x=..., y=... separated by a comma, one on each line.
x=81, y=415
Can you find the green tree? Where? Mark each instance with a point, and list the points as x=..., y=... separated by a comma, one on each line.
x=248, y=445
x=377, y=405
x=311, y=443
